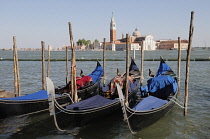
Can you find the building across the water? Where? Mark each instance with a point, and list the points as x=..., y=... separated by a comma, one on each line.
x=135, y=41
x=171, y=44
x=121, y=46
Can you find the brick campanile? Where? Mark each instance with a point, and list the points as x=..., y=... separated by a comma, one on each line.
x=112, y=30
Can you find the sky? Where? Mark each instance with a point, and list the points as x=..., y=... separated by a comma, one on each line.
x=33, y=21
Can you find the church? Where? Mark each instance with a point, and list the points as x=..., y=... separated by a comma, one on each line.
x=135, y=41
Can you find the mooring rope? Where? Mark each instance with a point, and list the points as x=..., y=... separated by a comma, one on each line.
x=179, y=103
x=126, y=118
x=54, y=116
x=131, y=114
x=68, y=96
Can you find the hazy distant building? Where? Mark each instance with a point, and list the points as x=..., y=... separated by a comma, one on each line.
x=171, y=44
x=121, y=46
x=77, y=48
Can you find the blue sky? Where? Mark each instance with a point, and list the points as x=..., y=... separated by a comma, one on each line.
x=33, y=21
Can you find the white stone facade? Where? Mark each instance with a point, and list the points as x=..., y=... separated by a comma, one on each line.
x=149, y=43
x=122, y=46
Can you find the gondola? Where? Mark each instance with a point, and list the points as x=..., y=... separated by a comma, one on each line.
x=81, y=113
x=85, y=90
x=157, y=99
x=38, y=102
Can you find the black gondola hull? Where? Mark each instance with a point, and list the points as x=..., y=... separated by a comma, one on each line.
x=79, y=118
x=18, y=108
x=140, y=120
x=71, y=119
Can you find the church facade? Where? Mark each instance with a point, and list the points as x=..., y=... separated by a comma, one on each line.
x=135, y=41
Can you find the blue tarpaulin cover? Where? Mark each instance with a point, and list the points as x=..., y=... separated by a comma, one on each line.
x=149, y=103
x=161, y=86
x=163, y=67
x=34, y=96
x=156, y=83
x=93, y=102
x=97, y=73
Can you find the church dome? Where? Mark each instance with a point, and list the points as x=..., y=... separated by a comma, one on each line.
x=136, y=33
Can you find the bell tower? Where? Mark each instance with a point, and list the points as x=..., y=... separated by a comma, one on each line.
x=112, y=30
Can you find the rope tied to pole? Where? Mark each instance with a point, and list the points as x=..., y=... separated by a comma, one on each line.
x=179, y=103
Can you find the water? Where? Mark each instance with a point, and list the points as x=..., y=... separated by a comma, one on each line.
x=174, y=125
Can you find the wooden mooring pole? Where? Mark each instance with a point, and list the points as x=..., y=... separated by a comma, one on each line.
x=73, y=66
x=16, y=68
x=127, y=67
x=43, y=66
x=179, y=62
x=188, y=62
x=142, y=65
x=104, y=61
x=67, y=60
x=48, y=66
x=134, y=53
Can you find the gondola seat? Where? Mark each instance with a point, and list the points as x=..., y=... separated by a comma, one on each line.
x=90, y=103
x=34, y=96
x=149, y=103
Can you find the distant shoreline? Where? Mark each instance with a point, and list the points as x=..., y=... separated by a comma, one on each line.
x=39, y=49
x=196, y=59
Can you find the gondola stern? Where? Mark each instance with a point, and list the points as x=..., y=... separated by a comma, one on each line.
x=132, y=61
x=98, y=63
x=164, y=69
x=133, y=69
x=161, y=60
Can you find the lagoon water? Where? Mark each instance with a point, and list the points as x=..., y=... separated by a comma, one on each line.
x=196, y=125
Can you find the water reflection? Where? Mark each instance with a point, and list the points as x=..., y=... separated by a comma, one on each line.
x=12, y=125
